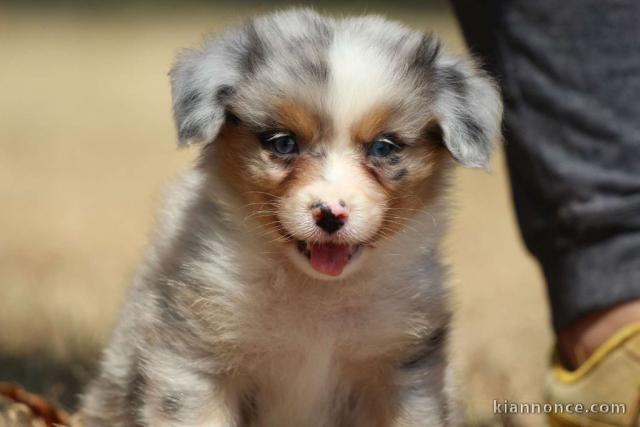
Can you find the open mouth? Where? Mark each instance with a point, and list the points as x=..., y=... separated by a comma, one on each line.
x=328, y=258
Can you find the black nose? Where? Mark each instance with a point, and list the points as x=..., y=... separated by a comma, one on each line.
x=327, y=220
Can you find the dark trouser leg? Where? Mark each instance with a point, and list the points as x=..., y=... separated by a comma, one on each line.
x=570, y=72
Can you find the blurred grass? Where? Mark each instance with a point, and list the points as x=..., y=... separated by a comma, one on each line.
x=87, y=144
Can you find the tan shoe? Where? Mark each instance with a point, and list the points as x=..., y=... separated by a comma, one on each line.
x=607, y=385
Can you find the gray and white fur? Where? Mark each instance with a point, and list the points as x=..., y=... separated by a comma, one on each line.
x=224, y=325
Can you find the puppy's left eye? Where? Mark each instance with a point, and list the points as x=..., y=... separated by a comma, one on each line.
x=382, y=147
x=281, y=143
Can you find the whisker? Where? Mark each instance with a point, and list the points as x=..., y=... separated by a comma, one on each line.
x=265, y=193
x=403, y=220
x=258, y=214
x=402, y=224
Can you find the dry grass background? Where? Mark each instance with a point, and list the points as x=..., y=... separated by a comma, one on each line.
x=86, y=147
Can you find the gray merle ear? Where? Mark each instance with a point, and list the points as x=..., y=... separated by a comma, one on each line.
x=201, y=82
x=469, y=111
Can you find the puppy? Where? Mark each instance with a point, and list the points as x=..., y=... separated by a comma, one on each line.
x=294, y=279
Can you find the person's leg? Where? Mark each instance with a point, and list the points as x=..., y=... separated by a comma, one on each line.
x=570, y=73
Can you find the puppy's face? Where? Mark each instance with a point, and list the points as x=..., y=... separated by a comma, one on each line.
x=334, y=134
x=330, y=190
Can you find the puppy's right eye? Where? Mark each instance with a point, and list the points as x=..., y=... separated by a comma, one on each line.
x=281, y=143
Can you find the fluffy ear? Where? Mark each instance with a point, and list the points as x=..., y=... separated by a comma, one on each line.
x=201, y=82
x=469, y=110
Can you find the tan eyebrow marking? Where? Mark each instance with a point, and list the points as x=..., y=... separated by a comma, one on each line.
x=300, y=119
x=371, y=124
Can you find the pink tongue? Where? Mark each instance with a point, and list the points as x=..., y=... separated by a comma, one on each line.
x=329, y=259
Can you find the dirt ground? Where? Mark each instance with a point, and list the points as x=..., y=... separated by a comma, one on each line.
x=86, y=148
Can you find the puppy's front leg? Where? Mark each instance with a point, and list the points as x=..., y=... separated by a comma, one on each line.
x=159, y=389
x=217, y=412
x=107, y=407
x=423, y=392
x=424, y=403
x=191, y=399
x=414, y=394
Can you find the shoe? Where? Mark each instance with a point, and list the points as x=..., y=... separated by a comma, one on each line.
x=606, y=385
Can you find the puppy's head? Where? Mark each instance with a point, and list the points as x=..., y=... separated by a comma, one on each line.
x=333, y=133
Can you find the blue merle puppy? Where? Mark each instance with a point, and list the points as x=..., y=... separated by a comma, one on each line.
x=295, y=278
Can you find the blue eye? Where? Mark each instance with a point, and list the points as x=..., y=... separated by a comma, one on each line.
x=282, y=143
x=382, y=147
